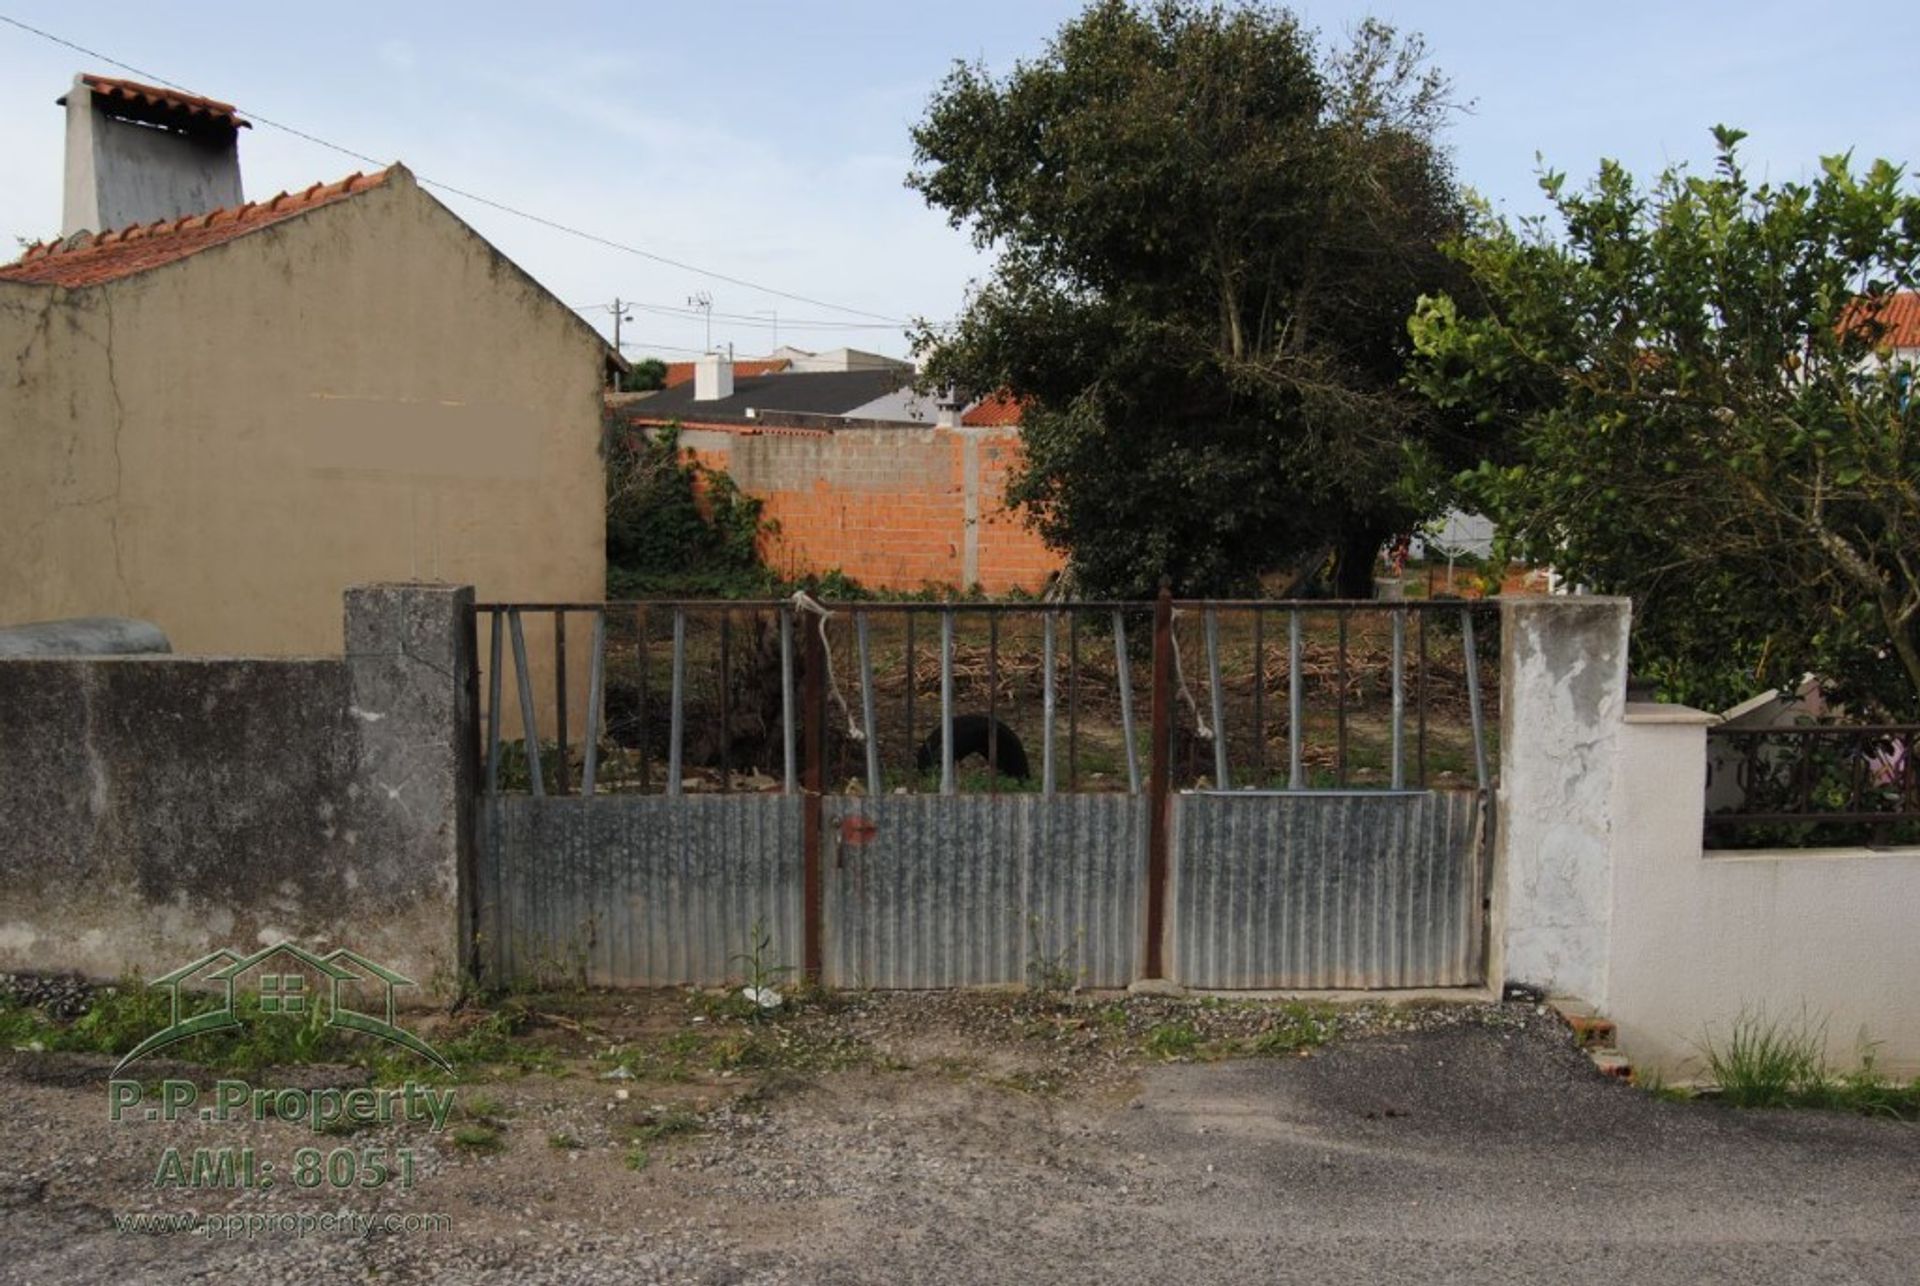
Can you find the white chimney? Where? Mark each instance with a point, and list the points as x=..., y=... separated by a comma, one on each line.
x=140, y=153
x=712, y=378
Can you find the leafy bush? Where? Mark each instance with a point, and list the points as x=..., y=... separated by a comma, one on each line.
x=676, y=527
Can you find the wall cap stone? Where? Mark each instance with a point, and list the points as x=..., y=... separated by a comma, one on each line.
x=1661, y=712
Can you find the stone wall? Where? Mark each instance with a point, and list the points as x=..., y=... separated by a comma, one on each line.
x=158, y=807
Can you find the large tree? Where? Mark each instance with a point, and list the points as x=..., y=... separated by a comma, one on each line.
x=1686, y=398
x=1209, y=236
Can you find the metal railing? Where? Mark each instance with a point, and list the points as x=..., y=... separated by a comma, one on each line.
x=1809, y=785
x=900, y=696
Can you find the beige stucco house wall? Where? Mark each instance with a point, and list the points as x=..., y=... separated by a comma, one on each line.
x=222, y=444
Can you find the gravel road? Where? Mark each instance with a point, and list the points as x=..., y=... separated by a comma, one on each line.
x=1463, y=1144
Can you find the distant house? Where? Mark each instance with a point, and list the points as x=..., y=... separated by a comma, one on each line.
x=1898, y=316
x=761, y=393
x=679, y=373
x=859, y=472
x=223, y=412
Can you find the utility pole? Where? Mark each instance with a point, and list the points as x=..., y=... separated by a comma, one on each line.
x=619, y=311
x=704, y=302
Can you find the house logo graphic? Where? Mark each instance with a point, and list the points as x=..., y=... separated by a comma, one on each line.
x=288, y=981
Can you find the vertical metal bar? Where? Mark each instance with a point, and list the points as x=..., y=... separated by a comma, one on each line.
x=789, y=727
x=993, y=696
x=812, y=810
x=1296, y=704
x=1160, y=784
x=677, y=714
x=868, y=725
x=1260, y=696
x=1073, y=701
x=726, y=701
x=1473, y=698
x=1340, y=708
x=529, y=733
x=596, y=682
x=1123, y=671
x=913, y=747
x=1399, y=767
x=644, y=648
x=846, y=649
x=1217, y=699
x=1047, y=624
x=493, y=704
x=561, y=770
x=946, y=701
x=1420, y=700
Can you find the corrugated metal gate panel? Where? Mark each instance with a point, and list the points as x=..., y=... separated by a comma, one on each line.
x=1318, y=890
x=959, y=890
x=637, y=890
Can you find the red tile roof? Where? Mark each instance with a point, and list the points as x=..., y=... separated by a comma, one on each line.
x=679, y=373
x=90, y=258
x=151, y=98
x=1000, y=410
x=1898, y=314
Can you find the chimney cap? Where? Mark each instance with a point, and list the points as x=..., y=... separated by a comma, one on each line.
x=157, y=105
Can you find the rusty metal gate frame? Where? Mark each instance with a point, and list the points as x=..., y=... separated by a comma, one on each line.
x=1159, y=878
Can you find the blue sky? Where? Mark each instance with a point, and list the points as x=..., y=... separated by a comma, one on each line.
x=768, y=141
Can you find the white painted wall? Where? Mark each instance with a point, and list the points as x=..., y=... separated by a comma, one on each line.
x=1603, y=891
x=1564, y=684
x=1829, y=936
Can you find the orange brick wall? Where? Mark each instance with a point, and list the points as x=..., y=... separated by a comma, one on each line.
x=893, y=508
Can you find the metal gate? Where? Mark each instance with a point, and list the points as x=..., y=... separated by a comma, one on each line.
x=1097, y=878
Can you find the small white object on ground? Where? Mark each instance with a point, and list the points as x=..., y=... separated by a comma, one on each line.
x=765, y=997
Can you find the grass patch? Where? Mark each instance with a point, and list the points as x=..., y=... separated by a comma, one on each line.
x=1172, y=1040
x=638, y=1158
x=481, y=1107
x=478, y=1138
x=1770, y=1063
x=1298, y=1027
x=563, y=1142
x=1766, y=1062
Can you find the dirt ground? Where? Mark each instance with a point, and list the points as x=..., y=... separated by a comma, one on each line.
x=990, y=1137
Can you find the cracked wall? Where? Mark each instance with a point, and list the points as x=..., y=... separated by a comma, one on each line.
x=162, y=806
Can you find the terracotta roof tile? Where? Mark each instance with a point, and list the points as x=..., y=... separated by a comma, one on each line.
x=89, y=259
x=146, y=99
x=1898, y=314
x=998, y=411
x=679, y=373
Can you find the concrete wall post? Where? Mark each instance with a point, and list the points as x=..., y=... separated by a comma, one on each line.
x=410, y=660
x=1563, y=690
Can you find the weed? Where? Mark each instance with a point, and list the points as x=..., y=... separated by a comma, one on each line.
x=1655, y=1085
x=563, y=1142
x=478, y=1138
x=667, y=1124
x=1298, y=1027
x=761, y=973
x=1050, y=972
x=1766, y=1062
x=638, y=1158
x=480, y=1107
x=1172, y=1040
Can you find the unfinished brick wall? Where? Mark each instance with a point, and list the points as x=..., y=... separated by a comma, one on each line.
x=894, y=508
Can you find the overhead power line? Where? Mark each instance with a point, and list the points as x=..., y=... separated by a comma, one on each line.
x=463, y=193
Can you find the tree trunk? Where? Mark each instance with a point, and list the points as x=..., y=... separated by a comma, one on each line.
x=1354, y=558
